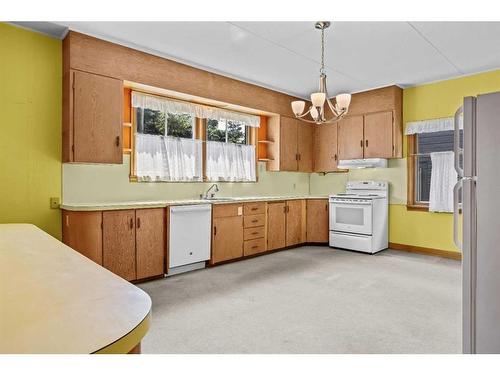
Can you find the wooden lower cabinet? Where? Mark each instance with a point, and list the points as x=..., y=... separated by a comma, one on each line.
x=295, y=229
x=82, y=231
x=129, y=243
x=227, y=238
x=150, y=241
x=317, y=220
x=276, y=225
x=118, y=233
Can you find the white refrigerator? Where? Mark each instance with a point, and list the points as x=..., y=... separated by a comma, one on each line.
x=477, y=226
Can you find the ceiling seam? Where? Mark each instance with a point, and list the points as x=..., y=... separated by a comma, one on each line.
x=435, y=47
x=294, y=52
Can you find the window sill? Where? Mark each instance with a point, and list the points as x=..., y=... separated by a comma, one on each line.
x=417, y=207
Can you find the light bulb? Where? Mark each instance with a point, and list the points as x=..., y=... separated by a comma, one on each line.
x=298, y=107
x=343, y=100
x=318, y=99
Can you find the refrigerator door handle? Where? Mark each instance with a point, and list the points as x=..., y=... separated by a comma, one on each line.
x=456, y=207
x=456, y=144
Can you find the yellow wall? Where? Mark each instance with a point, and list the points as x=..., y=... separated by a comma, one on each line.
x=30, y=136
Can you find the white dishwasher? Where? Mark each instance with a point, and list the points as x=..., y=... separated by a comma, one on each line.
x=190, y=228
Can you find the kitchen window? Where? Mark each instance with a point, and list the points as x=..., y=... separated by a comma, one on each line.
x=172, y=137
x=229, y=157
x=421, y=148
x=165, y=148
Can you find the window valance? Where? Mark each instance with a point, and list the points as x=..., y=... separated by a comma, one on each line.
x=431, y=126
x=140, y=100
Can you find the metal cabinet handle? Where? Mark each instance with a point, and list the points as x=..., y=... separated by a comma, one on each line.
x=335, y=157
x=117, y=141
x=215, y=231
x=255, y=232
x=138, y=222
x=255, y=221
x=254, y=247
x=254, y=208
x=131, y=223
x=361, y=143
x=366, y=143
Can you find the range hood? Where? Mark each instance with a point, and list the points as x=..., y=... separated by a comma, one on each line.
x=362, y=163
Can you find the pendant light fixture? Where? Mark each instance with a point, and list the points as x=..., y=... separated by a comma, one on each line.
x=318, y=99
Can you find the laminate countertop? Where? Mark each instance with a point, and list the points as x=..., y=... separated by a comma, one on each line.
x=105, y=206
x=55, y=300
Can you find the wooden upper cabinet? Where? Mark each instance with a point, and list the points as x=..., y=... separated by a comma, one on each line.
x=288, y=144
x=378, y=135
x=82, y=232
x=276, y=225
x=119, y=243
x=325, y=148
x=150, y=242
x=317, y=220
x=294, y=222
x=227, y=238
x=375, y=118
x=350, y=138
x=305, y=139
x=97, y=106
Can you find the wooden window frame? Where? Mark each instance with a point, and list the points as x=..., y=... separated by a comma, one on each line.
x=412, y=204
x=200, y=132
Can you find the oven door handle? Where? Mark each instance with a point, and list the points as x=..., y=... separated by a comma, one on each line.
x=351, y=204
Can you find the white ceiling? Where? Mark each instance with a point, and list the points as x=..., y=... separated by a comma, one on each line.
x=285, y=56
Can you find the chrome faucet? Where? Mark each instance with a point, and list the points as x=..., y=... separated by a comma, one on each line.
x=207, y=196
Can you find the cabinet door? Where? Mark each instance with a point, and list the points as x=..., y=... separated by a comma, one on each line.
x=227, y=238
x=294, y=222
x=325, y=151
x=276, y=225
x=288, y=144
x=305, y=133
x=118, y=251
x=378, y=135
x=97, y=119
x=317, y=220
x=350, y=134
x=150, y=242
x=82, y=231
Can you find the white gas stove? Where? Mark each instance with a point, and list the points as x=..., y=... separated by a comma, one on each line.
x=359, y=217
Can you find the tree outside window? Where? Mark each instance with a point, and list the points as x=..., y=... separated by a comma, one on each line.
x=226, y=131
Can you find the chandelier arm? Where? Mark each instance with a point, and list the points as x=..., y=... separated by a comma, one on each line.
x=310, y=121
x=304, y=114
x=333, y=108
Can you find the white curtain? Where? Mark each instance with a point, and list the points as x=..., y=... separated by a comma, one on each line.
x=432, y=126
x=230, y=162
x=443, y=178
x=140, y=100
x=160, y=158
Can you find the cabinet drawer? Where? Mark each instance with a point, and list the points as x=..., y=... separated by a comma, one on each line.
x=255, y=208
x=251, y=221
x=227, y=210
x=254, y=246
x=253, y=233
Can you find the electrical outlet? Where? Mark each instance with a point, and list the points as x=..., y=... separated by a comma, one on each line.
x=54, y=202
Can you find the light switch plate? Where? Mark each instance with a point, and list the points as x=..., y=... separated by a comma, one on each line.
x=240, y=210
x=54, y=202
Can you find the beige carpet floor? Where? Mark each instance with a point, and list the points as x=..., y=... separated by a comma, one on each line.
x=310, y=300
